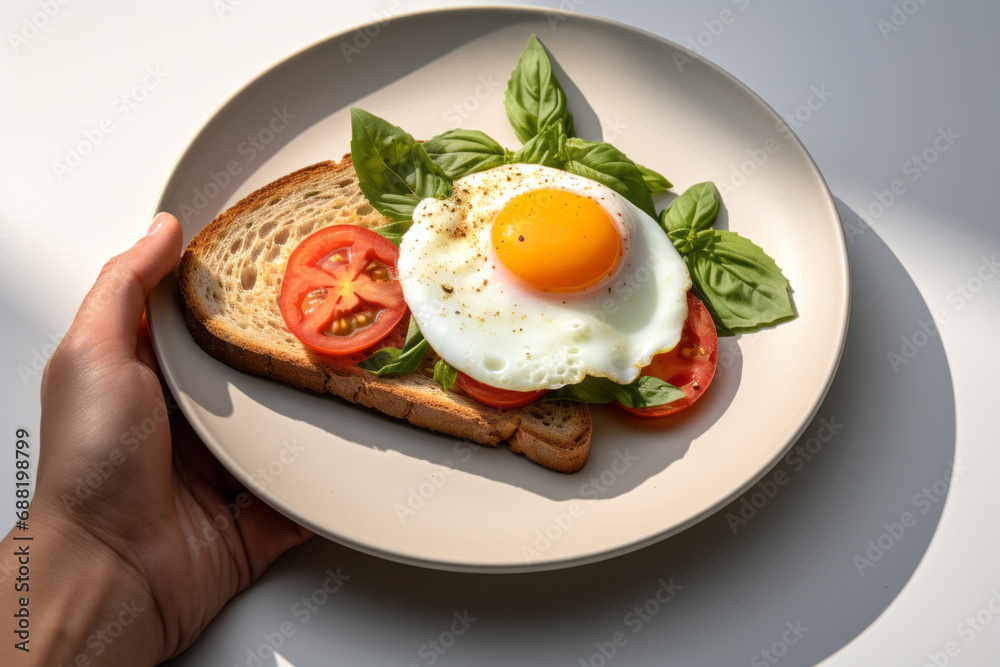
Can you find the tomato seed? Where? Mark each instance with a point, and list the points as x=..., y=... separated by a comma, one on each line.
x=345, y=326
x=313, y=299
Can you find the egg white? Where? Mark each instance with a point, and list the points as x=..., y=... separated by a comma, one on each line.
x=487, y=323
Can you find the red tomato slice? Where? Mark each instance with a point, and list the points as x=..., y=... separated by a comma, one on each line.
x=690, y=366
x=496, y=398
x=340, y=293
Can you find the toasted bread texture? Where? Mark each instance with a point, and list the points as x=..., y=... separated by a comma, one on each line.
x=230, y=280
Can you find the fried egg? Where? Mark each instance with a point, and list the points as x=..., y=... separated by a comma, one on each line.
x=529, y=277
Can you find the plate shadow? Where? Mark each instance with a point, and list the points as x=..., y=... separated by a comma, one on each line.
x=825, y=545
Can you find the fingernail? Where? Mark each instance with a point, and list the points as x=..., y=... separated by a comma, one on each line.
x=157, y=223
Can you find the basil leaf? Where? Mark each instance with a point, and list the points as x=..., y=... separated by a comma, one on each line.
x=445, y=374
x=547, y=148
x=394, y=230
x=694, y=211
x=688, y=240
x=653, y=391
x=740, y=284
x=534, y=99
x=720, y=328
x=393, y=362
x=645, y=392
x=655, y=181
x=463, y=152
x=605, y=164
x=394, y=170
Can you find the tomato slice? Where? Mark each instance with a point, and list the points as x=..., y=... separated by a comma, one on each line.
x=340, y=292
x=496, y=398
x=690, y=366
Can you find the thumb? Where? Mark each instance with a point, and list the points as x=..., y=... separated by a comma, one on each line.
x=114, y=306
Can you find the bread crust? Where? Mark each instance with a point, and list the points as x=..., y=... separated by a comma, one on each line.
x=238, y=327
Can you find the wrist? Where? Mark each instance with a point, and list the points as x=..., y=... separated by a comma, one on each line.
x=88, y=606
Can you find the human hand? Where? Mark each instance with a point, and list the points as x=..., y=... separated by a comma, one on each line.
x=167, y=536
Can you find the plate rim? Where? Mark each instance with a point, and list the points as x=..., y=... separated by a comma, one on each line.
x=542, y=564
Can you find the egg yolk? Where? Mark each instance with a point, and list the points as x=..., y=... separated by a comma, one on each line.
x=557, y=241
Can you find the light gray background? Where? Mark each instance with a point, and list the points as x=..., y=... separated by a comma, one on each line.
x=925, y=263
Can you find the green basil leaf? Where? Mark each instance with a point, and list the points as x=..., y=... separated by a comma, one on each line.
x=655, y=181
x=605, y=164
x=720, y=328
x=394, y=362
x=547, y=148
x=653, y=391
x=381, y=359
x=463, y=152
x=534, y=99
x=740, y=284
x=645, y=392
x=692, y=212
x=394, y=230
x=394, y=171
x=445, y=374
x=688, y=240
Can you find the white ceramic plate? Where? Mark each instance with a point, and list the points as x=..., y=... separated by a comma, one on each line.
x=390, y=489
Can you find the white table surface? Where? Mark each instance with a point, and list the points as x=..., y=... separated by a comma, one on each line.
x=885, y=79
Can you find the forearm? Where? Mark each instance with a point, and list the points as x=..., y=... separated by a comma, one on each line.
x=69, y=600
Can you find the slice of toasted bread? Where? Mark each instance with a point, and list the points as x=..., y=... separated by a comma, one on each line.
x=230, y=279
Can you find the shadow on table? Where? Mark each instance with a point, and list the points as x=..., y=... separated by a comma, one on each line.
x=798, y=566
